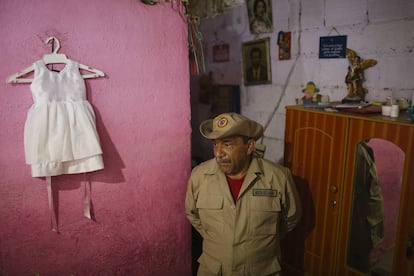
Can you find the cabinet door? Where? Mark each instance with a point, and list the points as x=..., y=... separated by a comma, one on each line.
x=315, y=144
x=401, y=135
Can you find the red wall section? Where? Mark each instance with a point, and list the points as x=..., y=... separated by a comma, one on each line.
x=143, y=119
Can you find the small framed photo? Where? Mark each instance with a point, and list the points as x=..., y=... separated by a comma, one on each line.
x=284, y=42
x=256, y=62
x=260, y=16
x=221, y=52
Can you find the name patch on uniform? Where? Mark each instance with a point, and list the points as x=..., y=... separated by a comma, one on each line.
x=264, y=192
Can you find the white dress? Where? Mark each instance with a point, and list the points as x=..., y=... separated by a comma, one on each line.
x=60, y=134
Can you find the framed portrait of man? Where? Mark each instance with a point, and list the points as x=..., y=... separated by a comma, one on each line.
x=256, y=62
x=260, y=16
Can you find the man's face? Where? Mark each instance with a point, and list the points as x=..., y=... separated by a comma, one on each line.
x=233, y=155
x=255, y=58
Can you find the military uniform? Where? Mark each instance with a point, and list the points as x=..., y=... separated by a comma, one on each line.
x=242, y=237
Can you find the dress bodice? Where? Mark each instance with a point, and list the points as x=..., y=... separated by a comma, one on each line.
x=66, y=85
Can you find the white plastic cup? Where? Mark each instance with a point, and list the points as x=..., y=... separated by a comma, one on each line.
x=386, y=110
x=395, y=111
x=325, y=99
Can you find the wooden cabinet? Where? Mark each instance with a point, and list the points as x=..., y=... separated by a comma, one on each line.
x=320, y=150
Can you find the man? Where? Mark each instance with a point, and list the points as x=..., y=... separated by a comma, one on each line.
x=257, y=72
x=240, y=204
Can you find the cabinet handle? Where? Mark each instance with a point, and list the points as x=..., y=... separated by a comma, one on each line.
x=333, y=189
x=332, y=203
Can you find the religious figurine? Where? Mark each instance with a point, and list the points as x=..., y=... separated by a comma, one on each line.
x=355, y=76
x=311, y=93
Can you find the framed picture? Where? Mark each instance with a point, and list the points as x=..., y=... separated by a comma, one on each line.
x=284, y=42
x=260, y=16
x=221, y=52
x=256, y=62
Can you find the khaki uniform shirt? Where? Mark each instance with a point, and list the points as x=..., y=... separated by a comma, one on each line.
x=242, y=238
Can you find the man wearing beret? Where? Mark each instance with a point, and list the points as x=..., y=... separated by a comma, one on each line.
x=241, y=205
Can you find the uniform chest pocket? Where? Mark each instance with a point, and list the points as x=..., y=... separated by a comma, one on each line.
x=264, y=215
x=210, y=209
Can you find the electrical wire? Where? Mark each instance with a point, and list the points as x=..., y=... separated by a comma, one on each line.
x=289, y=74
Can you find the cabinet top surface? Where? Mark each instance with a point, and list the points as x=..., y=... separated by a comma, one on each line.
x=403, y=117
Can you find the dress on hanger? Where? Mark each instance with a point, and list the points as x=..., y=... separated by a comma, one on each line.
x=60, y=134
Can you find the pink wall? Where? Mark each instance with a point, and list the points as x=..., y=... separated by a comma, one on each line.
x=143, y=118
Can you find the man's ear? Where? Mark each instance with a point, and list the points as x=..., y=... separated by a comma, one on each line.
x=251, y=144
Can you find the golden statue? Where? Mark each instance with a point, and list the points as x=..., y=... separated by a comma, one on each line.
x=355, y=76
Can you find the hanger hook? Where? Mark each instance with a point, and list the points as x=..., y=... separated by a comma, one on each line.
x=54, y=40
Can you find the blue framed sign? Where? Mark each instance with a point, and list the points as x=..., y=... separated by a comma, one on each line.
x=332, y=46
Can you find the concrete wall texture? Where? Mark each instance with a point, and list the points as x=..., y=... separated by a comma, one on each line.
x=375, y=29
x=143, y=119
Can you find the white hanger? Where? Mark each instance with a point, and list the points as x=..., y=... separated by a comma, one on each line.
x=53, y=58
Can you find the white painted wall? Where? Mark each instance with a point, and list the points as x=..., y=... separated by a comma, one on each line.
x=377, y=29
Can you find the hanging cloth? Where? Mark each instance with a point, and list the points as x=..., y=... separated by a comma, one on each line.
x=60, y=135
x=367, y=220
x=60, y=132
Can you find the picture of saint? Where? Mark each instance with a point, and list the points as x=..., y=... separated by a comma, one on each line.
x=284, y=41
x=260, y=16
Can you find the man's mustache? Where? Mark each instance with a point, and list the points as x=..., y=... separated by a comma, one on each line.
x=223, y=161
